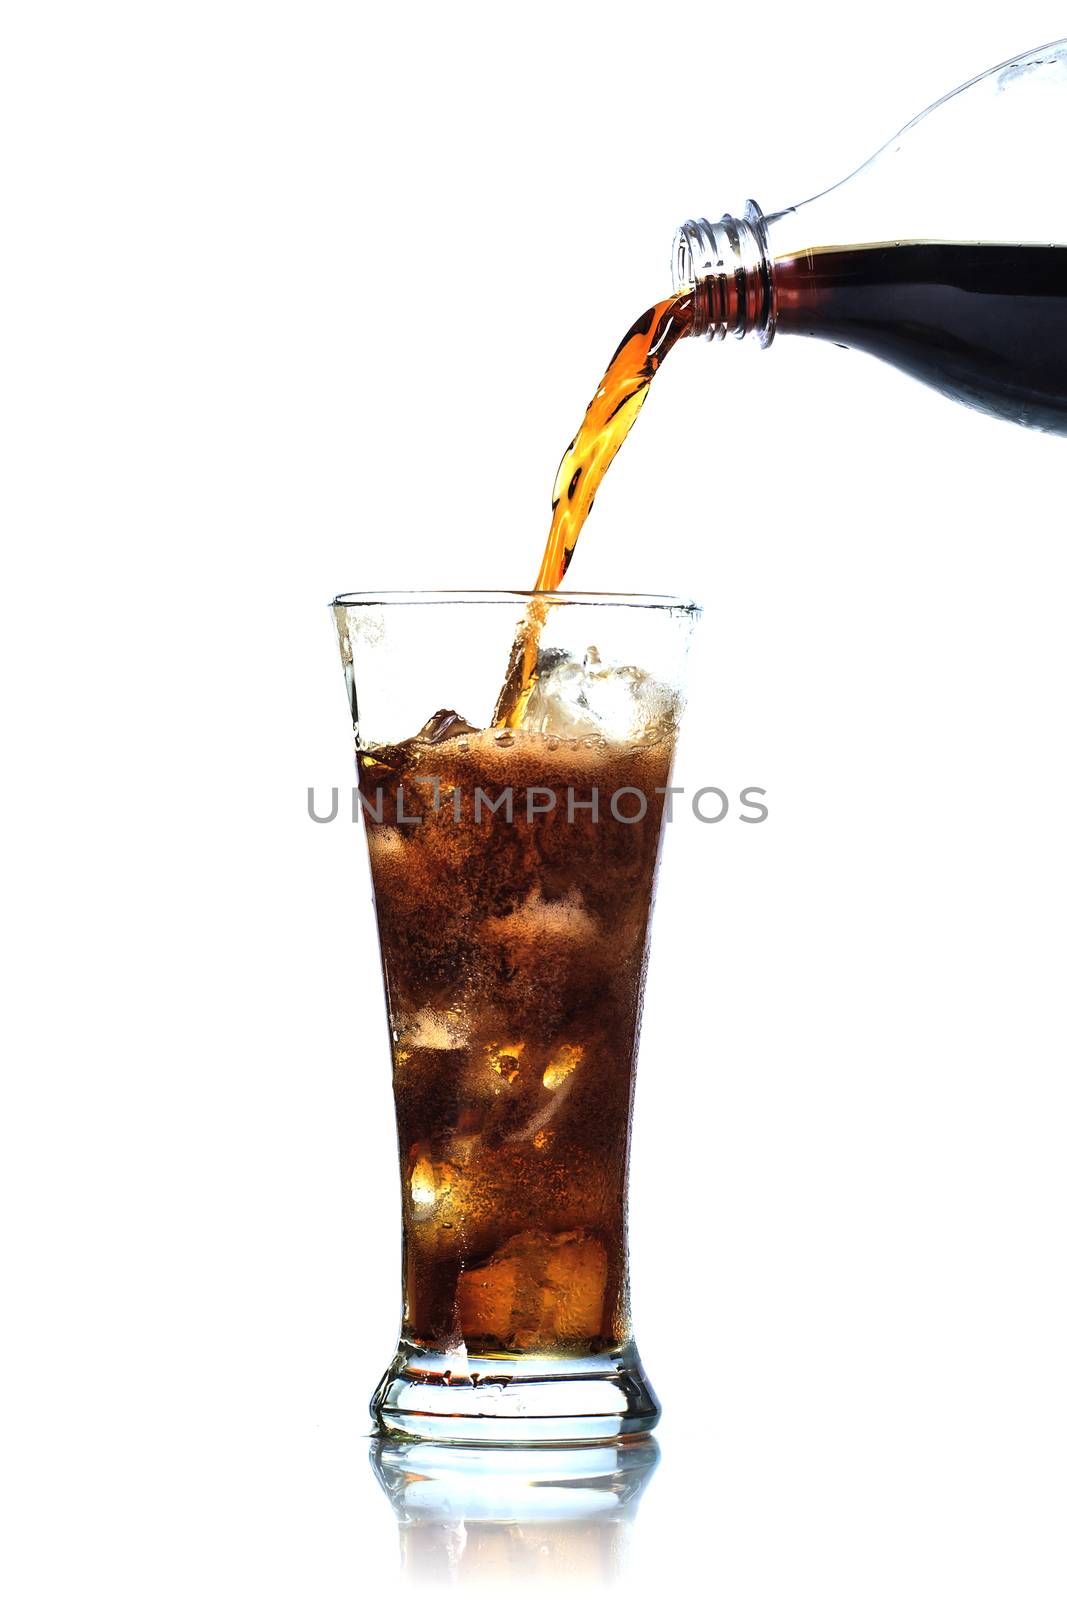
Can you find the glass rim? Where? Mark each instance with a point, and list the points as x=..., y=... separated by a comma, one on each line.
x=553, y=597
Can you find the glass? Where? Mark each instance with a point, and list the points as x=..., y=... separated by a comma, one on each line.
x=943, y=254
x=514, y=871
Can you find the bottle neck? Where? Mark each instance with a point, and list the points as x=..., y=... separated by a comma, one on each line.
x=727, y=265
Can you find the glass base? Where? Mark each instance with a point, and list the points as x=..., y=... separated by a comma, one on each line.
x=520, y=1400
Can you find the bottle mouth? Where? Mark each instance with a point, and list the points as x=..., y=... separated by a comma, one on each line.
x=683, y=270
x=697, y=263
x=724, y=265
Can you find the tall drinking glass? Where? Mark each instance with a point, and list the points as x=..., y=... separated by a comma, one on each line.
x=514, y=869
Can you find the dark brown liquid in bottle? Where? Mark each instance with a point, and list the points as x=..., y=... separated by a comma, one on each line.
x=982, y=323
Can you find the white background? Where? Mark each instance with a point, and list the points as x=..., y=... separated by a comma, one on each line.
x=300, y=298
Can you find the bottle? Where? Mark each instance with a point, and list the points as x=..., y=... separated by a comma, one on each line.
x=945, y=254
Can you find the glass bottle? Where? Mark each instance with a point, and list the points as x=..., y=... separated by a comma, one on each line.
x=945, y=254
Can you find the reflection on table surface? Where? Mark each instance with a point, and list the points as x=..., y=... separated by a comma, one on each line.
x=468, y=1514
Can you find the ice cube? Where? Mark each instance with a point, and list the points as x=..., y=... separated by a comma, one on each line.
x=538, y=1289
x=580, y=699
x=558, y=703
x=385, y=843
x=444, y=725
x=538, y=920
x=564, y=1060
x=504, y=1059
x=430, y=1184
x=430, y=1029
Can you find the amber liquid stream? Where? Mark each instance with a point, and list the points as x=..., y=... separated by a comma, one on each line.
x=609, y=417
